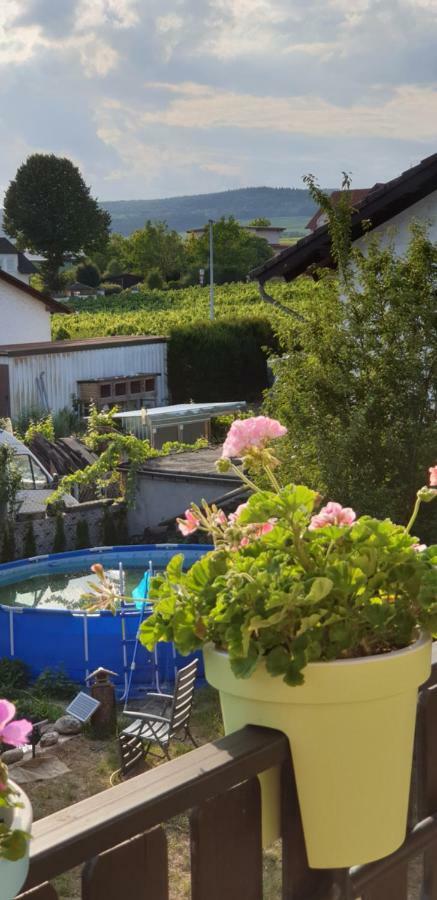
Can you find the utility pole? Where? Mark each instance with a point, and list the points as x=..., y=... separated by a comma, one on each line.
x=211, y=269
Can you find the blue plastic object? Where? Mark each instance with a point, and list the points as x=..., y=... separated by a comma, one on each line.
x=141, y=592
x=57, y=638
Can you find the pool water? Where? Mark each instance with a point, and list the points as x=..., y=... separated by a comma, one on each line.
x=59, y=590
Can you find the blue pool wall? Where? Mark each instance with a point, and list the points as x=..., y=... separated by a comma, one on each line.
x=55, y=638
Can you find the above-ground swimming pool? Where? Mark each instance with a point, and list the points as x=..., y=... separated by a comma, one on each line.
x=42, y=624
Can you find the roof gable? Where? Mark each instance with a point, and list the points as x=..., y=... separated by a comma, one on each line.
x=380, y=205
x=50, y=304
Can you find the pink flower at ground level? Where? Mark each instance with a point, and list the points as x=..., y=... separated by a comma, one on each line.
x=189, y=524
x=15, y=733
x=433, y=476
x=255, y=432
x=333, y=514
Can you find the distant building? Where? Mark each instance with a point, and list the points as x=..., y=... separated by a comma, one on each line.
x=77, y=289
x=320, y=218
x=25, y=313
x=125, y=280
x=271, y=233
x=14, y=262
x=129, y=372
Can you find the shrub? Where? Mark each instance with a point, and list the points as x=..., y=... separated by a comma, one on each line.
x=14, y=676
x=43, y=426
x=88, y=273
x=110, y=288
x=357, y=386
x=55, y=683
x=154, y=280
x=35, y=708
x=220, y=360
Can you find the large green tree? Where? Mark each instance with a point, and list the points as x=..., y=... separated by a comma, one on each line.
x=155, y=247
x=236, y=251
x=48, y=208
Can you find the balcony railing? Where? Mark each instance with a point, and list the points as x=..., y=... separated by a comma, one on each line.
x=118, y=836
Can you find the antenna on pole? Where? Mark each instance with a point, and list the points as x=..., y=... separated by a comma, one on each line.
x=211, y=269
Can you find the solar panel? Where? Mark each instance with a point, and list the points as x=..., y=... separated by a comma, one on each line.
x=82, y=707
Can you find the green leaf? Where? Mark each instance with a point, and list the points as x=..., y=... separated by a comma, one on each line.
x=320, y=588
x=277, y=661
x=243, y=666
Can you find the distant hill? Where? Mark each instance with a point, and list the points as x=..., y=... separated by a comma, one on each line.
x=291, y=207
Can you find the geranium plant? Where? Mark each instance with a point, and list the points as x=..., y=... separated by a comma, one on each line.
x=13, y=841
x=291, y=581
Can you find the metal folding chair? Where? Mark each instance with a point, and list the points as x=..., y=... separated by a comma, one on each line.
x=153, y=728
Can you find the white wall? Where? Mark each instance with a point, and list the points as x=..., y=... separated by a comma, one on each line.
x=23, y=319
x=158, y=499
x=397, y=231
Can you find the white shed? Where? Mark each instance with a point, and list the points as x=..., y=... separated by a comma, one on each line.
x=125, y=371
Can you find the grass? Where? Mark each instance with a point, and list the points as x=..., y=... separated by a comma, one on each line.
x=91, y=764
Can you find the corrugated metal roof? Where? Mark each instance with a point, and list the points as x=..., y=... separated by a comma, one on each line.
x=45, y=347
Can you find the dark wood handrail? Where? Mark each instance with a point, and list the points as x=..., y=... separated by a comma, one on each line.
x=75, y=834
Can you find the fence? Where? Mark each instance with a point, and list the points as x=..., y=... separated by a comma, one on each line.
x=119, y=836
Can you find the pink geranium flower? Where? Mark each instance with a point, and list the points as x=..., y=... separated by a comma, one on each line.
x=433, y=476
x=333, y=514
x=189, y=524
x=255, y=432
x=233, y=517
x=15, y=733
x=418, y=548
x=257, y=532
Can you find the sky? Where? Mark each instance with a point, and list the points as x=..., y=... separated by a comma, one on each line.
x=157, y=98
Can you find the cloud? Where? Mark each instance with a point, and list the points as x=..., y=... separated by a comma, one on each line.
x=199, y=106
x=180, y=96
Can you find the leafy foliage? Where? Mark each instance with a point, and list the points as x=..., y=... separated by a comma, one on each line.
x=55, y=684
x=43, y=426
x=114, y=449
x=88, y=273
x=219, y=360
x=296, y=595
x=357, y=385
x=14, y=676
x=236, y=251
x=49, y=209
x=10, y=480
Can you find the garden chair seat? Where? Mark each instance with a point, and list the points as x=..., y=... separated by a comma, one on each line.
x=153, y=731
x=150, y=728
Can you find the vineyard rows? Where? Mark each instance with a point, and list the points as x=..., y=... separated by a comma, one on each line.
x=158, y=312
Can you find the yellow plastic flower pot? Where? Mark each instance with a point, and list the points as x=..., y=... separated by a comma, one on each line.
x=351, y=732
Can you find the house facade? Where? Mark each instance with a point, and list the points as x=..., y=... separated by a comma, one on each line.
x=25, y=313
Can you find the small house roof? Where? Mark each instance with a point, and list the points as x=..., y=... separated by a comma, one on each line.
x=50, y=304
x=381, y=204
x=356, y=196
x=25, y=266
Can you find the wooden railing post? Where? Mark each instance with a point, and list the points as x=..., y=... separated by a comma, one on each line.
x=299, y=882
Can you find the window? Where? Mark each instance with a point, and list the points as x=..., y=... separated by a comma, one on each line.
x=135, y=387
x=105, y=390
x=32, y=476
x=149, y=385
x=120, y=388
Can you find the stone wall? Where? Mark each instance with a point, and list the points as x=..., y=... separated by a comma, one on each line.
x=94, y=524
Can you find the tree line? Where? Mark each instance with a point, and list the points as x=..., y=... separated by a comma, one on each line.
x=49, y=210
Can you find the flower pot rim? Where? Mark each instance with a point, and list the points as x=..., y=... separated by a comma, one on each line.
x=422, y=639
